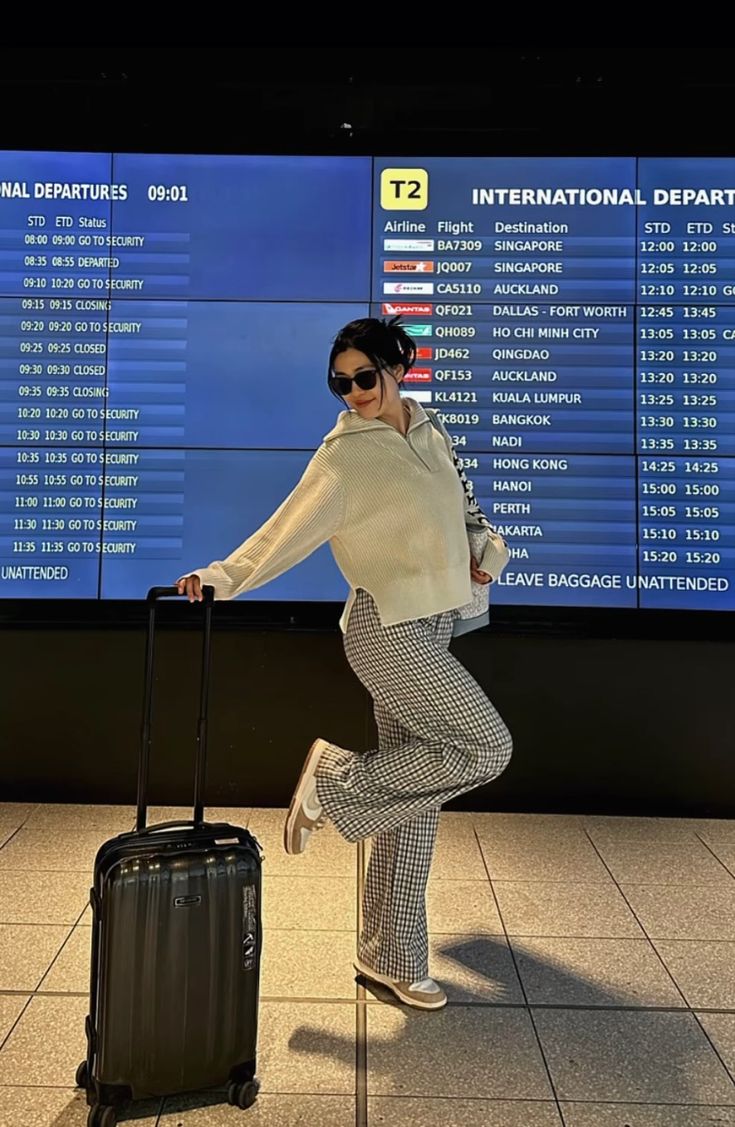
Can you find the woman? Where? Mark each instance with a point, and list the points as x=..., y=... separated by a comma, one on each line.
x=385, y=491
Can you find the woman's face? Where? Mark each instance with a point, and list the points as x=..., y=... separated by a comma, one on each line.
x=367, y=403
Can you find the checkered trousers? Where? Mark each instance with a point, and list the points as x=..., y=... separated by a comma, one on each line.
x=438, y=737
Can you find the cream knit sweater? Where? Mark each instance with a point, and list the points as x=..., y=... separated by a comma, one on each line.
x=394, y=511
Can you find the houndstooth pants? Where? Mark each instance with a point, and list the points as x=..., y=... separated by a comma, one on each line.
x=438, y=736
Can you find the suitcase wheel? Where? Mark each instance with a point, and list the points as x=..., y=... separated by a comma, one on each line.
x=241, y=1095
x=82, y=1076
x=101, y=1116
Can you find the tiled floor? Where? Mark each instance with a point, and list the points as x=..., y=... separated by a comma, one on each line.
x=589, y=962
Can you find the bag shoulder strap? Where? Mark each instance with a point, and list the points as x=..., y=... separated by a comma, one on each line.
x=473, y=513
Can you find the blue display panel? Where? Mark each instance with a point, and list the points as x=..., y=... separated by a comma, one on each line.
x=201, y=504
x=487, y=234
x=52, y=514
x=165, y=323
x=245, y=228
x=55, y=211
x=574, y=313
x=223, y=374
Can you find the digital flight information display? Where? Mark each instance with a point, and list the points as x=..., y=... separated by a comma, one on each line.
x=165, y=323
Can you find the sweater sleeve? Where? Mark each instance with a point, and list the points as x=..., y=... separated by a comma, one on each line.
x=311, y=514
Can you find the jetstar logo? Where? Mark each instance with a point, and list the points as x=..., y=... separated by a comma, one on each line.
x=408, y=266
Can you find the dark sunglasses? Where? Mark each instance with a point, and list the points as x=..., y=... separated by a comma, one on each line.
x=364, y=380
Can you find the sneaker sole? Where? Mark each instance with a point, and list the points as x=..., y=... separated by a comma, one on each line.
x=313, y=756
x=383, y=979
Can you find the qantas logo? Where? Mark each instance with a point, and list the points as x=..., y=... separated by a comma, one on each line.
x=407, y=309
x=419, y=375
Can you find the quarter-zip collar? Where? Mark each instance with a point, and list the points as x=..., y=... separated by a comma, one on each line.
x=352, y=422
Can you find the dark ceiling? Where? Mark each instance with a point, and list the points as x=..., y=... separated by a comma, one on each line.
x=453, y=99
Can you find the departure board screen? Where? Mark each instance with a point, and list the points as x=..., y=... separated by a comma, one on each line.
x=165, y=322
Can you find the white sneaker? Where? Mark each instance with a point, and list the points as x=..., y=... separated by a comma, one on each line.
x=424, y=995
x=305, y=814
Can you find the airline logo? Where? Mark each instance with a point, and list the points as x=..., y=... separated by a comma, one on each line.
x=420, y=395
x=407, y=309
x=408, y=266
x=419, y=375
x=424, y=353
x=404, y=189
x=412, y=246
x=408, y=287
x=419, y=330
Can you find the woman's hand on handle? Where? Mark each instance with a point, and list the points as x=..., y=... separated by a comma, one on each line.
x=190, y=586
x=477, y=575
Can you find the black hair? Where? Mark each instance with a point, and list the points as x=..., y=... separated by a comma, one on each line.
x=385, y=343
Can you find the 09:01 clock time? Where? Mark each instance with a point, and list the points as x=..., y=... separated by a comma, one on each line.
x=168, y=193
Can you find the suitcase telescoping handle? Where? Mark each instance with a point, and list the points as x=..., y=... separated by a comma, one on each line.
x=154, y=595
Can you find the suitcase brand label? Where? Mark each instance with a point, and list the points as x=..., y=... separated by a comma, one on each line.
x=187, y=901
x=249, y=926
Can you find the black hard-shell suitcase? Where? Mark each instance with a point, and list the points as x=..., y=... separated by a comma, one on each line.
x=176, y=944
